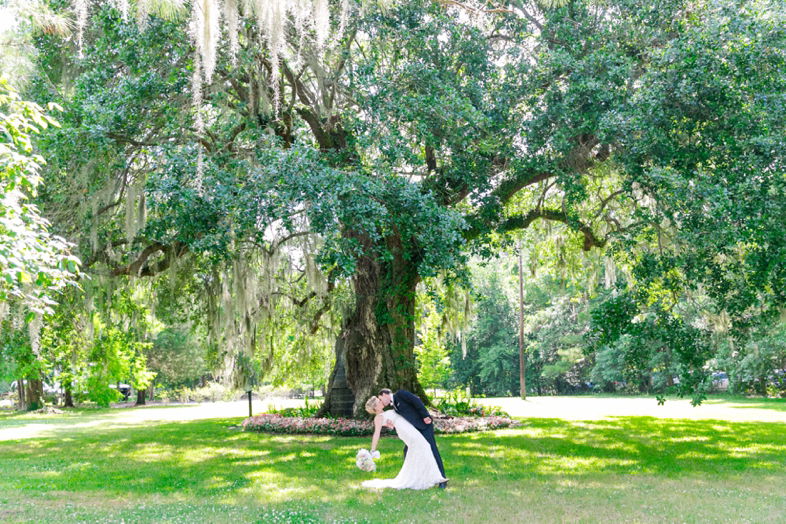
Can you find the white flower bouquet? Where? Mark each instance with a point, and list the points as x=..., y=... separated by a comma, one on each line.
x=365, y=460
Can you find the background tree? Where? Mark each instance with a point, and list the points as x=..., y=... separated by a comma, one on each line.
x=66, y=342
x=714, y=180
x=489, y=361
x=34, y=264
x=177, y=357
x=432, y=355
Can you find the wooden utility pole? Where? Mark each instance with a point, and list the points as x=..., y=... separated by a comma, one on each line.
x=522, y=353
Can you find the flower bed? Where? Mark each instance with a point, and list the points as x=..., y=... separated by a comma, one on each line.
x=341, y=427
x=469, y=424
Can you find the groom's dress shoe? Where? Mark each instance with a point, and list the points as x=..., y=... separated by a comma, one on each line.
x=443, y=485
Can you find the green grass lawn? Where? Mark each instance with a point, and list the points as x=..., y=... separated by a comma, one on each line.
x=776, y=404
x=625, y=469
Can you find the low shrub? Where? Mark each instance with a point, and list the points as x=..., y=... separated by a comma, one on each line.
x=184, y=395
x=308, y=410
x=456, y=404
x=267, y=391
x=212, y=392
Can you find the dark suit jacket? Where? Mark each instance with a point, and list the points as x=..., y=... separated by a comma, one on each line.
x=411, y=408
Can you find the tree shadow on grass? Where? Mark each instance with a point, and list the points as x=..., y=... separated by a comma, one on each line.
x=205, y=459
x=200, y=458
x=628, y=445
x=772, y=404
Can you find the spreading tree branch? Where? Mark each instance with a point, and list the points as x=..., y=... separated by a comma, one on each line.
x=139, y=267
x=524, y=220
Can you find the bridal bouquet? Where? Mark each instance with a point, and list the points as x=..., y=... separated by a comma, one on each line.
x=364, y=460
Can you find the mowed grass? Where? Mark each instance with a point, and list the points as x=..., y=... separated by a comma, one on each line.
x=625, y=469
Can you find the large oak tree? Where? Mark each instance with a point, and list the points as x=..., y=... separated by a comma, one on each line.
x=387, y=155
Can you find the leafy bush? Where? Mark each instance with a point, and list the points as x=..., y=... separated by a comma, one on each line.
x=184, y=394
x=212, y=392
x=306, y=411
x=266, y=391
x=98, y=391
x=457, y=404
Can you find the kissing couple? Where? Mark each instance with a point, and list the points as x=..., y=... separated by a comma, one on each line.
x=422, y=466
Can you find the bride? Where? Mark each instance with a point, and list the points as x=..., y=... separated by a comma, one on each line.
x=420, y=470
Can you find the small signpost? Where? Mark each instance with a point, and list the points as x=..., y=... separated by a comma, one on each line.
x=250, y=392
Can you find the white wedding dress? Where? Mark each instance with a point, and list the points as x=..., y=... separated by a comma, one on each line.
x=420, y=470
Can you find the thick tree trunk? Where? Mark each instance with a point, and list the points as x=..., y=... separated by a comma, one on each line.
x=69, y=399
x=20, y=389
x=376, y=345
x=141, y=395
x=34, y=395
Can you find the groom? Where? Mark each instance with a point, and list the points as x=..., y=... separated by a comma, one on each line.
x=412, y=409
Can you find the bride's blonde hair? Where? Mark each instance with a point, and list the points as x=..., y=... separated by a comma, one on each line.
x=371, y=405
